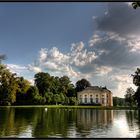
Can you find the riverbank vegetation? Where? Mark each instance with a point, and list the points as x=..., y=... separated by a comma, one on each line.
x=47, y=89
x=73, y=107
x=50, y=90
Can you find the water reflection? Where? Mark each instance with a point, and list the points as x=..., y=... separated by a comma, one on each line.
x=133, y=120
x=36, y=122
x=14, y=121
x=88, y=119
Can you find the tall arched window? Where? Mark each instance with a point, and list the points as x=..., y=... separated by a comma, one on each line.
x=85, y=98
x=91, y=99
x=107, y=99
x=97, y=98
x=102, y=100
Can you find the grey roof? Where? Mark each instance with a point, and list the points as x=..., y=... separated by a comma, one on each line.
x=96, y=88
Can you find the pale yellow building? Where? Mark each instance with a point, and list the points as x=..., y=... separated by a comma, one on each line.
x=95, y=95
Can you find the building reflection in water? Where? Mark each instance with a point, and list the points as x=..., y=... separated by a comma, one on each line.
x=88, y=119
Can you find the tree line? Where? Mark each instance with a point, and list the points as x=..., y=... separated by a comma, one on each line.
x=132, y=97
x=47, y=89
x=51, y=90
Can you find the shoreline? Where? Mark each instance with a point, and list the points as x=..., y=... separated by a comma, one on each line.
x=72, y=107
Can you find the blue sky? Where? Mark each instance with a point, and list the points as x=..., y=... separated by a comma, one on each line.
x=27, y=27
x=96, y=41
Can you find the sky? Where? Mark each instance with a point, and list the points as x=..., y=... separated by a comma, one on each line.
x=98, y=41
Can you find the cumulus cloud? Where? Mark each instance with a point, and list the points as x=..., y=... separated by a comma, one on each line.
x=80, y=57
x=55, y=61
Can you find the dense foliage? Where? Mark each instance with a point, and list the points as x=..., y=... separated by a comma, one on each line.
x=129, y=97
x=82, y=84
x=136, y=81
x=117, y=101
x=47, y=89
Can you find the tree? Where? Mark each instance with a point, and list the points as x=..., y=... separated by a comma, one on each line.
x=136, y=81
x=24, y=85
x=136, y=4
x=65, y=84
x=49, y=97
x=43, y=82
x=8, y=85
x=73, y=101
x=117, y=101
x=33, y=97
x=82, y=84
x=56, y=98
x=129, y=96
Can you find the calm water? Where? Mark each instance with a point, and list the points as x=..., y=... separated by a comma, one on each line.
x=71, y=123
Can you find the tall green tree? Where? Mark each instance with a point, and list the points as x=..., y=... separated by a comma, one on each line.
x=49, y=97
x=24, y=85
x=129, y=96
x=117, y=101
x=56, y=98
x=82, y=84
x=136, y=81
x=43, y=82
x=33, y=97
x=65, y=85
x=8, y=85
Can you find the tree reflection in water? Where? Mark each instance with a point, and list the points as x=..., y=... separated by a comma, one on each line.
x=133, y=120
x=15, y=121
x=36, y=122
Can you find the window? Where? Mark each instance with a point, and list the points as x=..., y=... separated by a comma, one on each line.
x=107, y=99
x=96, y=100
x=91, y=99
x=85, y=98
x=102, y=100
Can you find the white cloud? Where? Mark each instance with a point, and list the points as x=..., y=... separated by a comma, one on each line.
x=21, y=71
x=77, y=47
x=54, y=61
x=94, y=40
x=80, y=56
x=103, y=70
x=122, y=82
x=34, y=68
x=43, y=54
x=51, y=65
x=16, y=68
x=134, y=45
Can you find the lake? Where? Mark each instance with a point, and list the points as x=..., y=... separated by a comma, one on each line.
x=37, y=122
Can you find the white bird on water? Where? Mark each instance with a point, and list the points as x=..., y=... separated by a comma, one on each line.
x=46, y=109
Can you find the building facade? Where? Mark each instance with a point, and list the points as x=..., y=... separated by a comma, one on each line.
x=95, y=95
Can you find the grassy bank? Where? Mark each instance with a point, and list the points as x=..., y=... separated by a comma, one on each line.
x=72, y=107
